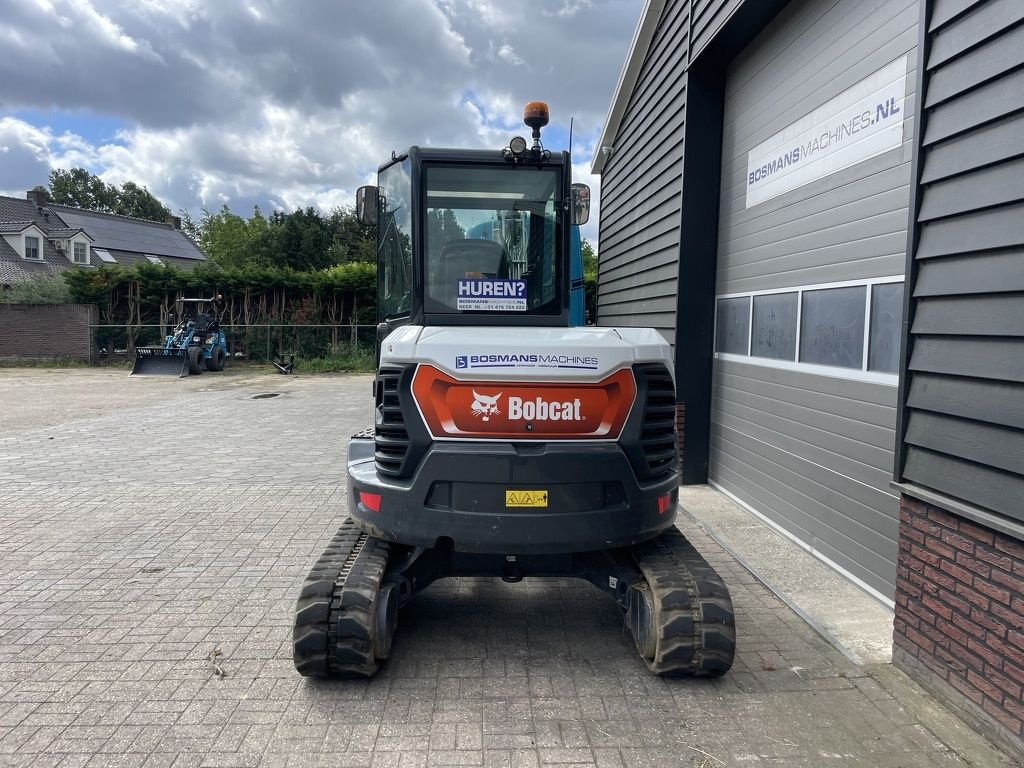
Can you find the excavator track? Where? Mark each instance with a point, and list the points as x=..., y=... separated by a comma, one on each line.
x=338, y=630
x=692, y=629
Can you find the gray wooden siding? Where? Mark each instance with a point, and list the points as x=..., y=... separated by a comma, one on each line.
x=641, y=189
x=964, y=409
x=709, y=16
x=814, y=453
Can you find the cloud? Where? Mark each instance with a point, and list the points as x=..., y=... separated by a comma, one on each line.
x=285, y=104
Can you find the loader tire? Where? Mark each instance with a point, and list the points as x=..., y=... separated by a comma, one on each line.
x=216, y=361
x=195, y=361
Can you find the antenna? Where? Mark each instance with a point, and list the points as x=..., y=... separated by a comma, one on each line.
x=570, y=136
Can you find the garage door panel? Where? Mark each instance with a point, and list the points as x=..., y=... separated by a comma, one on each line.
x=849, y=553
x=831, y=449
x=873, y=443
x=812, y=448
x=817, y=195
x=871, y=197
x=813, y=520
x=858, y=501
x=861, y=269
x=861, y=401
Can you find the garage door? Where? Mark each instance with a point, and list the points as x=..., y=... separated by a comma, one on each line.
x=813, y=229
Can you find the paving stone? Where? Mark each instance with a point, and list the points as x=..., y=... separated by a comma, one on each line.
x=134, y=544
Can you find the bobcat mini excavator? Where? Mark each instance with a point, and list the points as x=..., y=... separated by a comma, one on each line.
x=505, y=441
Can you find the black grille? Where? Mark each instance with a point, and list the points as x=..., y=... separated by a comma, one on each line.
x=658, y=428
x=391, y=438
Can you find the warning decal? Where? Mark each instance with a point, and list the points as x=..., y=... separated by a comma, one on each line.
x=526, y=498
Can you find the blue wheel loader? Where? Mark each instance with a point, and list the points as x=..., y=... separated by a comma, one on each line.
x=197, y=342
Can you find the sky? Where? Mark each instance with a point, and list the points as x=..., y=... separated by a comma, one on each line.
x=291, y=103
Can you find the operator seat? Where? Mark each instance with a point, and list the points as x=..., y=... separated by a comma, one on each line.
x=468, y=258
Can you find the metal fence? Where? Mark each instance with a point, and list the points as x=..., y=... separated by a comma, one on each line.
x=258, y=342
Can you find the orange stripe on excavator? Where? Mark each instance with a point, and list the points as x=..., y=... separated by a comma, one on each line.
x=519, y=410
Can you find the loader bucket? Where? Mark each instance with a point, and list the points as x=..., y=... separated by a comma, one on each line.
x=158, y=361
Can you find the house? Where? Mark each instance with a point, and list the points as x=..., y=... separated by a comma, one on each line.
x=820, y=204
x=40, y=237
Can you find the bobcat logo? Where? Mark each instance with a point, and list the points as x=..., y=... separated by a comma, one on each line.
x=485, y=406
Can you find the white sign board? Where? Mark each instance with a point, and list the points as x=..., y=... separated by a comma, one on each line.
x=491, y=295
x=861, y=122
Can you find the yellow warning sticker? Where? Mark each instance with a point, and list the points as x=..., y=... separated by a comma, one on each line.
x=526, y=498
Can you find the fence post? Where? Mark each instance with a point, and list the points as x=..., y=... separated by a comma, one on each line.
x=268, y=358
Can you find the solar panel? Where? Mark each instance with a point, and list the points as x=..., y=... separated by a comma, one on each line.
x=122, y=234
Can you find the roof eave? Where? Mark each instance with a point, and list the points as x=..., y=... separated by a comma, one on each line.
x=627, y=81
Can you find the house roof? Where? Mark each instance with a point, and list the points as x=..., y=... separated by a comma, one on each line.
x=14, y=269
x=66, y=233
x=128, y=258
x=627, y=81
x=124, y=233
x=128, y=240
x=14, y=227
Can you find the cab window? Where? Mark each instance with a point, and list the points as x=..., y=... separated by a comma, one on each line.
x=491, y=240
x=394, y=241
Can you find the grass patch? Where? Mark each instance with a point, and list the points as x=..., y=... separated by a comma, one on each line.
x=359, y=361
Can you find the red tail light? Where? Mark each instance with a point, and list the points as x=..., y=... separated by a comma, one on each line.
x=664, y=503
x=370, y=500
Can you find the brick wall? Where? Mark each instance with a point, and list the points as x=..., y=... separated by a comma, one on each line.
x=959, y=625
x=46, y=331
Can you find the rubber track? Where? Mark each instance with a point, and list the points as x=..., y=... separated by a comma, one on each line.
x=334, y=616
x=693, y=615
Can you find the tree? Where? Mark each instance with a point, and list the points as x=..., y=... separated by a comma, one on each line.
x=139, y=202
x=37, y=289
x=232, y=242
x=82, y=189
x=589, y=280
x=300, y=240
x=353, y=241
x=589, y=260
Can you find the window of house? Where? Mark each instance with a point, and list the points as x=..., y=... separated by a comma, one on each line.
x=774, y=326
x=832, y=327
x=732, y=328
x=81, y=253
x=32, y=248
x=154, y=260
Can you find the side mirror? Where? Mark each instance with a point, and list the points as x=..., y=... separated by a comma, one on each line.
x=580, y=204
x=366, y=205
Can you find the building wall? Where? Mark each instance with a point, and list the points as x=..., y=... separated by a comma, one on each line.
x=964, y=417
x=641, y=189
x=960, y=581
x=47, y=331
x=959, y=626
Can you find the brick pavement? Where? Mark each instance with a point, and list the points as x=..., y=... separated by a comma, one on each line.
x=135, y=544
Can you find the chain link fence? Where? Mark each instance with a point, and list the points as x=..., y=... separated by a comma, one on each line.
x=260, y=342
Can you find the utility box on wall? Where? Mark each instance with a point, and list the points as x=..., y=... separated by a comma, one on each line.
x=47, y=331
